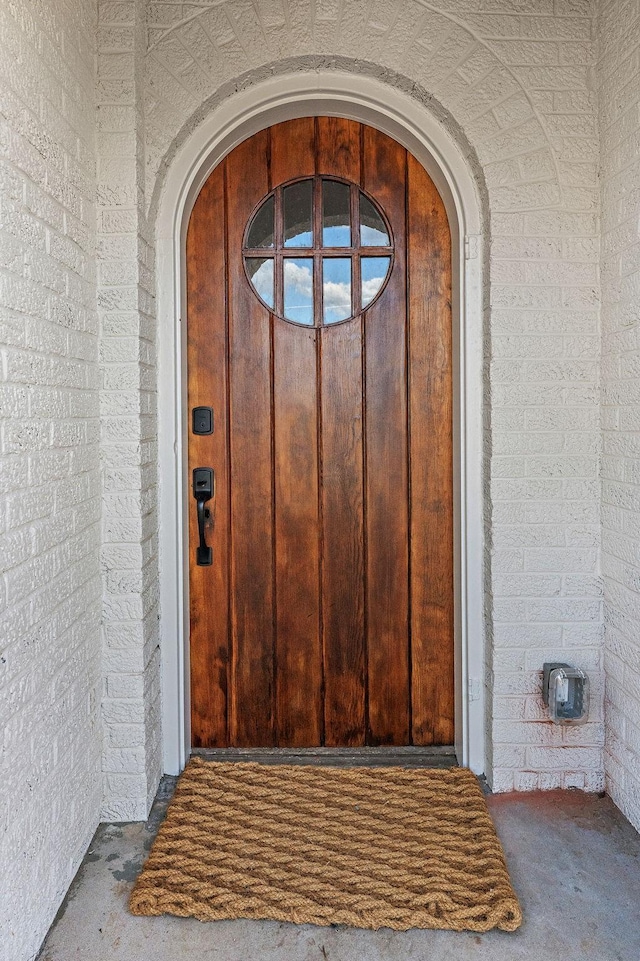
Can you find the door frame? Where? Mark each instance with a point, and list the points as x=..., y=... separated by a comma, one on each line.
x=408, y=121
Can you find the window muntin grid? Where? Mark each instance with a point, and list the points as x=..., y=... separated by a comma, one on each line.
x=318, y=251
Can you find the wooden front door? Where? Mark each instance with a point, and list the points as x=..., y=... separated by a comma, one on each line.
x=319, y=333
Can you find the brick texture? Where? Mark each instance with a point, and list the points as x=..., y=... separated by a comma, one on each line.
x=131, y=652
x=619, y=94
x=50, y=672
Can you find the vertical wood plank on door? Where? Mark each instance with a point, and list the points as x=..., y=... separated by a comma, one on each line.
x=342, y=512
x=298, y=648
x=386, y=487
x=338, y=153
x=208, y=586
x=299, y=718
x=339, y=148
x=252, y=695
x=292, y=150
x=431, y=420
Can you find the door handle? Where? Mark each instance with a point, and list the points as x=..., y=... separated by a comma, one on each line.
x=204, y=485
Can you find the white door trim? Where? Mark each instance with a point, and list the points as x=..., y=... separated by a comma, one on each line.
x=411, y=124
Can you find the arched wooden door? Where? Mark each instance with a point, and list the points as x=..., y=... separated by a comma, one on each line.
x=319, y=333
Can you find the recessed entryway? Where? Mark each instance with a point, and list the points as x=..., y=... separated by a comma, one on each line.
x=398, y=116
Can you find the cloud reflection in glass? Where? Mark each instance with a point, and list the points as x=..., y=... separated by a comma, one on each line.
x=298, y=289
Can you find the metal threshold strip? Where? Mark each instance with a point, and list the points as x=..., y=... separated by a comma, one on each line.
x=410, y=757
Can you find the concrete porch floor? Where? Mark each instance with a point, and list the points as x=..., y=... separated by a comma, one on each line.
x=574, y=861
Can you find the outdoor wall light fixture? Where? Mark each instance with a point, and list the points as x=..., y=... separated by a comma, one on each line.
x=565, y=691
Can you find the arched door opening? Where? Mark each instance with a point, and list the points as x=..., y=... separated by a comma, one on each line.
x=392, y=112
x=319, y=332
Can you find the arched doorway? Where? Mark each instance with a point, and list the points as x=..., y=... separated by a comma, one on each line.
x=368, y=100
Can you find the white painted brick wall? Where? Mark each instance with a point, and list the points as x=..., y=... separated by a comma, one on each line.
x=619, y=92
x=50, y=683
x=131, y=655
x=516, y=77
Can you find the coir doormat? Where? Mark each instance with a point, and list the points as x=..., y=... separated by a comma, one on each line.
x=365, y=847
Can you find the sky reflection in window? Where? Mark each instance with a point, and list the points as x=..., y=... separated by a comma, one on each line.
x=298, y=289
x=336, y=289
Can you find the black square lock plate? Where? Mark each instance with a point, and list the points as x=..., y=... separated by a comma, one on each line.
x=202, y=420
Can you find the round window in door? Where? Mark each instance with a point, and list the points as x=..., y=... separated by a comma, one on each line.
x=318, y=251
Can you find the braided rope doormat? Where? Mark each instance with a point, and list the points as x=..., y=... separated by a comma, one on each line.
x=365, y=847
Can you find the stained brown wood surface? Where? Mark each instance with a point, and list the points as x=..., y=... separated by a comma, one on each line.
x=252, y=687
x=343, y=536
x=338, y=147
x=326, y=618
x=431, y=420
x=298, y=645
x=207, y=351
x=386, y=443
x=292, y=150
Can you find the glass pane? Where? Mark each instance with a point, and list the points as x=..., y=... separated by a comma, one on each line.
x=336, y=289
x=298, y=289
x=261, y=275
x=261, y=229
x=297, y=214
x=374, y=272
x=373, y=232
x=336, y=229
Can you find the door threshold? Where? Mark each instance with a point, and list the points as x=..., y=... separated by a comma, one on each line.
x=409, y=757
